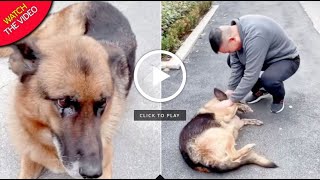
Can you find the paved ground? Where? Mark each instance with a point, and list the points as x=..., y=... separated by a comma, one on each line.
x=137, y=145
x=312, y=9
x=289, y=138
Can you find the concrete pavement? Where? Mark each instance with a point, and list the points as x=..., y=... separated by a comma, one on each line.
x=290, y=138
x=312, y=9
x=137, y=144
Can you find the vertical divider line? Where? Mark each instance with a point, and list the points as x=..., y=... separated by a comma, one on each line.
x=160, y=30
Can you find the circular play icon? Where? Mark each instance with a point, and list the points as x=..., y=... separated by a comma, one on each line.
x=20, y=18
x=148, y=67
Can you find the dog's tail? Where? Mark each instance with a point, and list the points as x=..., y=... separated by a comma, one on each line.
x=254, y=158
x=5, y=51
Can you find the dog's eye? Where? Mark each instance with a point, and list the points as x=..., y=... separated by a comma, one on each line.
x=102, y=103
x=67, y=106
x=99, y=106
x=63, y=103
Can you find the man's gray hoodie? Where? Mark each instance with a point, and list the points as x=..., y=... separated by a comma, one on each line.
x=263, y=42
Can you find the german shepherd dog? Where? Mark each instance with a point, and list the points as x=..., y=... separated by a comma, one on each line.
x=207, y=142
x=75, y=72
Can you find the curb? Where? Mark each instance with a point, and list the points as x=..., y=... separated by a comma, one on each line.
x=186, y=46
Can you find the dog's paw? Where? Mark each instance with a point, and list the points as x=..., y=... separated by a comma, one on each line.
x=252, y=122
x=239, y=112
x=258, y=123
x=244, y=108
x=250, y=146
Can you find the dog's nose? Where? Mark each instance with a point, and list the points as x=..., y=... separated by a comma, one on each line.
x=89, y=171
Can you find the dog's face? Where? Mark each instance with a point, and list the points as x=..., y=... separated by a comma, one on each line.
x=74, y=81
x=220, y=114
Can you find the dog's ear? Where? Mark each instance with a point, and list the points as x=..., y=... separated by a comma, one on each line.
x=25, y=59
x=119, y=67
x=220, y=95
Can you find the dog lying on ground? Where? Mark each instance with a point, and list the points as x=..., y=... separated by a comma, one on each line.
x=75, y=73
x=207, y=142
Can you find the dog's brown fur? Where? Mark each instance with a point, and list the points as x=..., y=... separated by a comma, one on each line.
x=5, y=51
x=74, y=65
x=59, y=75
x=207, y=142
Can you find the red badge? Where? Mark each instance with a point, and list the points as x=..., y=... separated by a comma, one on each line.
x=20, y=18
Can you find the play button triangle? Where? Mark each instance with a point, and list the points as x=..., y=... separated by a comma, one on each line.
x=158, y=76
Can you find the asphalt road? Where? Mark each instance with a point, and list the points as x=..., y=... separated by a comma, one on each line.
x=291, y=138
x=137, y=144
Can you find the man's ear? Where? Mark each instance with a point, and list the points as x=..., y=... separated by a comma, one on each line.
x=24, y=61
x=220, y=95
x=119, y=67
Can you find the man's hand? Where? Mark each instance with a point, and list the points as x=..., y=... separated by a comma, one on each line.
x=229, y=92
x=224, y=104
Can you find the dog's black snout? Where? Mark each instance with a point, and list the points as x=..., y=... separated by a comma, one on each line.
x=89, y=171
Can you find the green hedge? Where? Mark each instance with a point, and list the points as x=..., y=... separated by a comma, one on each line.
x=178, y=19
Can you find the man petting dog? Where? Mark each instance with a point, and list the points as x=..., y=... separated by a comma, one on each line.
x=256, y=43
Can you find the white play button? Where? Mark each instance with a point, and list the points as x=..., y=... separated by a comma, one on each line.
x=158, y=76
x=149, y=79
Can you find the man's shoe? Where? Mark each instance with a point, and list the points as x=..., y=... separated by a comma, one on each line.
x=277, y=107
x=253, y=98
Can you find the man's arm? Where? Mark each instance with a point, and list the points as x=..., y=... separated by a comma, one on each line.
x=237, y=69
x=256, y=52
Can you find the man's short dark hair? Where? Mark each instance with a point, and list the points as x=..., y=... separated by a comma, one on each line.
x=215, y=38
